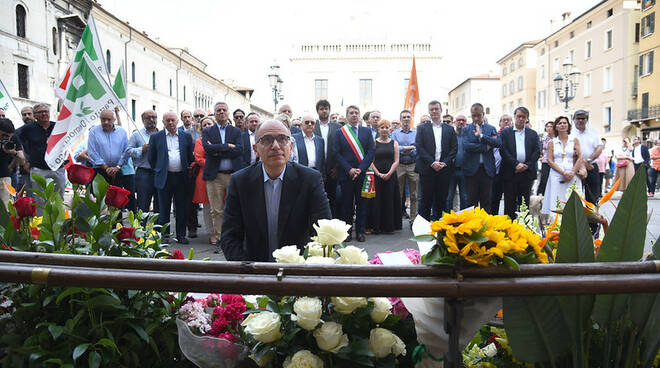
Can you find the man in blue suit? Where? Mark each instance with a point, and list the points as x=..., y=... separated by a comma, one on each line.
x=170, y=153
x=310, y=147
x=249, y=155
x=223, y=146
x=478, y=161
x=354, y=150
x=437, y=146
x=520, y=152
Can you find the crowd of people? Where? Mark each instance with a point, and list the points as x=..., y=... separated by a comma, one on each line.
x=261, y=184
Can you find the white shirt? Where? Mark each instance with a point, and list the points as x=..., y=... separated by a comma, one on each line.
x=173, y=153
x=324, y=134
x=520, y=144
x=253, y=156
x=589, y=141
x=437, y=133
x=637, y=154
x=311, y=151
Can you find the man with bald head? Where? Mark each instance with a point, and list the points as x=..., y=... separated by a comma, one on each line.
x=272, y=203
x=286, y=110
x=170, y=154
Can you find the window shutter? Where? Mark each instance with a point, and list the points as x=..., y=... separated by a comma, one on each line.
x=650, y=68
x=641, y=65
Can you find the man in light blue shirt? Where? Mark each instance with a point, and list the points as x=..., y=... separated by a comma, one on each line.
x=138, y=145
x=407, y=155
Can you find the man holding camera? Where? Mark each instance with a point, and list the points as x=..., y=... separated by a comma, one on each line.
x=11, y=154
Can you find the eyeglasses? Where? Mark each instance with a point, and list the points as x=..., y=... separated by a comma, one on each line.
x=268, y=140
x=308, y=122
x=238, y=117
x=199, y=115
x=447, y=121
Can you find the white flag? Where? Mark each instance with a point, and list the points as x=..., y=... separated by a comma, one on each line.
x=5, y=99
x=88, y=94
x=89, y=45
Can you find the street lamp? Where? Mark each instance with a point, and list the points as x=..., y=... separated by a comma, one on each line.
x=567, y=85
x=275, y=83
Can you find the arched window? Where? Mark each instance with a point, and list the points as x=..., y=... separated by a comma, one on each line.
x=133, y=71
x=153, y=80
x=55, y=41
x=107, y=60
x=20, y=21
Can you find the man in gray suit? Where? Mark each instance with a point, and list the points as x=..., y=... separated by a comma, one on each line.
x=327, y=129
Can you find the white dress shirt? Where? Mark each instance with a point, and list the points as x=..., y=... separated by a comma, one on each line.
x=437, y=133
x=589, y=141
x=520, y=144
x=637, y=154
x=324, y=127
x=311, y=151
x=253, y=155
x=173, y=153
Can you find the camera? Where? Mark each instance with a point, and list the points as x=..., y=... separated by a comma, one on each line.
x=7, y=144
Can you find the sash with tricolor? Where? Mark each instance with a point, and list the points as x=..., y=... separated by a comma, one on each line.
x=368, y=186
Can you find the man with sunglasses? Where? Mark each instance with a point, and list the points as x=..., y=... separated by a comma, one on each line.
x=272, y=203
x=310, y=147
x=239, y=119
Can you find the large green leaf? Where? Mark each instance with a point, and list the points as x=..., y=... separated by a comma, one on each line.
x=536, y=329
x=645, y=315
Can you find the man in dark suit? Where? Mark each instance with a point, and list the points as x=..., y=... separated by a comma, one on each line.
x=310, y=147
x=223, y=146
x=251, y=122
x=520, y=152
x=640, y=154
x=478, y=161
x=354, y=150
x=272, y=203
x=437, y=146
x=170, y=153
x=327, y=129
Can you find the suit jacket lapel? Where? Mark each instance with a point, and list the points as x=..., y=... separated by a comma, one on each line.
x=290, y=189
x=258, y=200
x=302, y=152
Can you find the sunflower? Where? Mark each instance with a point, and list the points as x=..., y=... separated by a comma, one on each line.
x=465, y=222
x=451, y=243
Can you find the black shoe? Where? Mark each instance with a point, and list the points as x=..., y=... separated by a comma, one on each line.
x=405, y=215
x=182, y=240
x=192, y=234
x=360, y=238
x=348, y=238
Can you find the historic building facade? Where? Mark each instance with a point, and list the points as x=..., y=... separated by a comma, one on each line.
x=518, y=81
x=480, y=88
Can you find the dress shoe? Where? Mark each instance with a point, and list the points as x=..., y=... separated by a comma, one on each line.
x=182, y=240
x=348, y=238
x=360, y=238
x=192, y=234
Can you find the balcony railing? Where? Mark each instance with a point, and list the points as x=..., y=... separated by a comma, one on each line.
x=635, y=85
x=651, y=112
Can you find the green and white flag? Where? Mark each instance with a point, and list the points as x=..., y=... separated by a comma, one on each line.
x=89, y=45
x=5, y=99
x=88, y=94
x=120, y=85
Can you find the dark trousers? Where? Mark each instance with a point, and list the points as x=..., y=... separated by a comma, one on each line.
x=480, y=189
x=175, y=188
x=496, y=195
x=434, y=187
x=543, y=181
x=457, y=181
x=517, y=188
x=352, y=203
x=144, y=185
x=591, y=185
x=330, y=186
x=123, y=181
x=653, y=178
x=191, y=213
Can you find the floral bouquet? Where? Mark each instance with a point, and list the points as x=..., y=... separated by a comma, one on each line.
x=210, y=330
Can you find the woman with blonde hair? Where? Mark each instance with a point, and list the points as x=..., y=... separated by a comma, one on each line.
x=387, y=204
x=624, y=165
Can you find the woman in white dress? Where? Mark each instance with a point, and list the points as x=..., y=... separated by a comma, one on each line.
x=564, y=159
x=624, y=165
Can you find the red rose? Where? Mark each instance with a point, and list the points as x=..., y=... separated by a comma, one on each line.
x=124, y=234
x=34, y=232
x=25, y=207
x=16, y=222
x=177, y=254
x=232, y=298
x=117, y=197
x=80, y=174
x=234, y=312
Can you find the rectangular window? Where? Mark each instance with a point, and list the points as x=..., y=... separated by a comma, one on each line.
x=542, y=71
x=607, y=78
x=321, y=89
x=608, y=39
x=462, y=99
x=555, y=66
x=572, y=34
x=520, y=83
x=511, y=88
x=587, y=49
x=504, y=90
x=648, y=24
x=587, y=84
x=638, y=30
x=607, y=119
x=610, y=12
x=588, y=24
x=556, y=43
x=571, y=56
x=23, y=81
x=365, y=91
x=646, y=64
x=133, y=108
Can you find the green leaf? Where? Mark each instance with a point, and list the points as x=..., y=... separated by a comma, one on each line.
x=39, y=180
x=140, y=331
x=55, y=331
x=108, y=343
x=511, y=263
x=94, y=357
x=82, y=210
x=575, y=241
x=656, y=248
x=80, y=350
x=423, y=238
x=100, y=188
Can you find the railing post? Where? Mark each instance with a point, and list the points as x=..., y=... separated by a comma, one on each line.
x=453, y=317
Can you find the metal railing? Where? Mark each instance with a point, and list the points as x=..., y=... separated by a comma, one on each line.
x=650, y=112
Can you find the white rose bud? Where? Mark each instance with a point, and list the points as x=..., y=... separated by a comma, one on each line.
x=308, y=312
x=381, y=309
x=319, y=260
x=303, y=359
x=330, y=232
x=346, y=305
x=382, y=342
x=263, y=326
x=352, y=255
x=288, y=254
x=330, y=337
x=314, y=249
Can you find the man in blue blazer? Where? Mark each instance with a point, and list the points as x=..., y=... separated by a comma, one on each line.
x=437, y=146
x=316, y=157
x=251, y=122
x=478, y=161
x=520, y=152
x=223, y=146
x=170, y=154
x=354, y=151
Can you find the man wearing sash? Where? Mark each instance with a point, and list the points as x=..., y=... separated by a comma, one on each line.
x=354, y=149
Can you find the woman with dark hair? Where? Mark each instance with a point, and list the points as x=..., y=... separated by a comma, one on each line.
x=564, y=159
x=387, y=203
x=545, y=168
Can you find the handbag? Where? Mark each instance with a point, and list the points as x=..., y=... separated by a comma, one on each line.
x=193, y=170
x=622, y=163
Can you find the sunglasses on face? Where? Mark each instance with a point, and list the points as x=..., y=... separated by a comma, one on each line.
x=199, y=115
x=308, y=122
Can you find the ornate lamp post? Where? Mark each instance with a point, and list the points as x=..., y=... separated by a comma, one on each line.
x=567, y=85
x=275, y=84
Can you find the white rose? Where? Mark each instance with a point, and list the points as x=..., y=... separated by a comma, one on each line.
x=308, y=312
x=352, y=255
x=263, y=326
x=490, y=350
x=303, y=359
x=331, y=232
x=330, y=337
x=346, y=305
x=314, y=249
x=381, y=309
x=319, y=260
x=288, y=254
x=382, y=342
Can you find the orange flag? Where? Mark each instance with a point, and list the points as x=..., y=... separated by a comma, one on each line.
x=412, y=95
